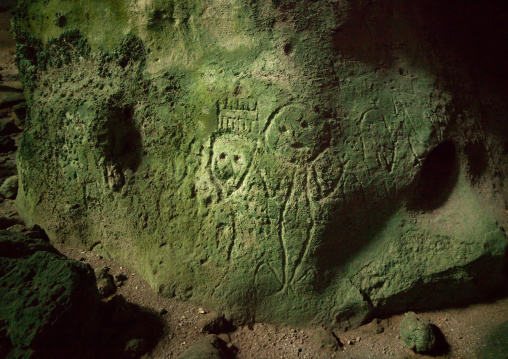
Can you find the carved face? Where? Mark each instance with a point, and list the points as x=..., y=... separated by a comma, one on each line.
x=231, y=159
x=297, y=134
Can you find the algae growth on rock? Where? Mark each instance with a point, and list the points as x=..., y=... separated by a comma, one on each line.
x=306, y=162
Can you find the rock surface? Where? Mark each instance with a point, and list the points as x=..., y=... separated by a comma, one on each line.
x=308, y=162
x=213, y=323
x=48, y=303
x=105, y=283
x=416, y=332
x=327, y=340
x=9, y=189
x=209, y=347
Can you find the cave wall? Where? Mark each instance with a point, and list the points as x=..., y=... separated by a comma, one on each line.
x=308, y=162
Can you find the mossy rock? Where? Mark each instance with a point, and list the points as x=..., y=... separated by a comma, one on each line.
x=286, y=161
x=416, y=332
x=48, y=303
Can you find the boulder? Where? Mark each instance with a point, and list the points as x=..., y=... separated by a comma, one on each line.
x=48, y=303
x=9, y=188
x=417, y=333
x=309, y=162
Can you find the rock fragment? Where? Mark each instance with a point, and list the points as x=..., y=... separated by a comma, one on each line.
x=209, y=347
x=48, y=303
x=327, y=340
x=213, y=323
x=416, y=332
x=9, y=188
x=105, y=282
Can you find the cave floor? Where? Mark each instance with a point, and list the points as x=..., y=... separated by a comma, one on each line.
x=475, y=331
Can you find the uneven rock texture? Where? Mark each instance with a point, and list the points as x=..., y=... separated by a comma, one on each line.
x=48, y=303
x=309, y=162
x=417, y=333
x=9, y=189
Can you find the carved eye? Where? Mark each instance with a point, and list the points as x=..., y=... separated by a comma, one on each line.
x=222, y=156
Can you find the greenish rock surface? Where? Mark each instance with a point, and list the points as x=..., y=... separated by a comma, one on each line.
x=308, y=162
x=9, y=189
x=47, y=302
x=417, y=334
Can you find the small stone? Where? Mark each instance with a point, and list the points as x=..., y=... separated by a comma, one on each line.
x=105, y=283
x=9, y=188
x=214, y=323
x=327, y=340
x=209, y=347
x=201, y=311
x=416, y=332
x=135, y=348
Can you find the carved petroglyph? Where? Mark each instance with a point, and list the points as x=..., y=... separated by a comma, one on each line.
x=287, y=161
x=377, y=141
x=231, y=160
x=238, y=116
x=297, y=134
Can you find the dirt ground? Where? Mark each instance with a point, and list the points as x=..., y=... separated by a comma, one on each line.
x=476, y=331
x=470, y=332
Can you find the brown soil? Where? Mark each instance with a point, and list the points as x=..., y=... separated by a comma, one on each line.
x=476, y=331
x=466, y=330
